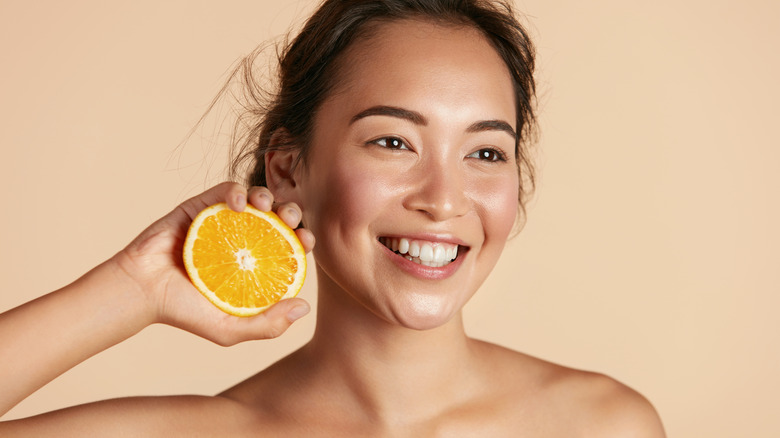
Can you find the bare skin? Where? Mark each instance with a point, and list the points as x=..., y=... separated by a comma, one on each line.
x=142, y=285
x=389, y=356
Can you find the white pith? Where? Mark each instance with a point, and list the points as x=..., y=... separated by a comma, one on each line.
x=245, y=260
x=433, y=254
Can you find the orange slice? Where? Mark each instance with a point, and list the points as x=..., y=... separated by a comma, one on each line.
x=243, y=262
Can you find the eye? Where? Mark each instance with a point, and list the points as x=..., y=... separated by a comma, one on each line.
x=391, y=143
x=488, y=154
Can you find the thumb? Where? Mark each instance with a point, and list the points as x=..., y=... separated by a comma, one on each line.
x=273, y=322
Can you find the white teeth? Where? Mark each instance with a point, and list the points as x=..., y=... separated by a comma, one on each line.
x=414, y=249
x=426, y=253
x=435, y=255
x=403, y=246
x=421, y=252
x=439, y=254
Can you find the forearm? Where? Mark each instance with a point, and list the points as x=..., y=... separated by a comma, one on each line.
x=45, y=337
x=144, y=283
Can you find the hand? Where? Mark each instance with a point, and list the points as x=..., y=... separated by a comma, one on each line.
x=153, y=262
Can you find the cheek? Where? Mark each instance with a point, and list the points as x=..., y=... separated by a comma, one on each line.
x=500, y=206
x=341, y=197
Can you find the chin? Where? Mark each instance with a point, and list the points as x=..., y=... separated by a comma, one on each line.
x=424, y=313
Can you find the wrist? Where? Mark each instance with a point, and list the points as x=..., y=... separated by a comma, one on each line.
x=132, y=298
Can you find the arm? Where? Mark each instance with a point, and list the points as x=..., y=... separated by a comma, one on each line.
x=143, y=284
x=45, y=337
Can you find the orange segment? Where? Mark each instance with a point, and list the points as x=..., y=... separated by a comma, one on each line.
x=243, y=262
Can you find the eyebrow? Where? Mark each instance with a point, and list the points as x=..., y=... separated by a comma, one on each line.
x=392, y=111
x=419, y=119
x=493, y=125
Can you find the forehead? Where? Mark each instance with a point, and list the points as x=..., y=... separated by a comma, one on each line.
x=407, y=62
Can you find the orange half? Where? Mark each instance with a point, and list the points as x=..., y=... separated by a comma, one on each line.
x=243, y=262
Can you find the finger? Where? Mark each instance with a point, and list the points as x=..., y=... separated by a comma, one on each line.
x=232, y=193
x=290, y=213
x=307, y=239
x=274, y=321
x=261, y=198
x=292, y=309
x=237, y=199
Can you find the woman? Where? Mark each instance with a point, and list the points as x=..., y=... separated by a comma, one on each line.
x=398, y=138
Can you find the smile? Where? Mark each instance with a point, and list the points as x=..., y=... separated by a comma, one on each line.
x=423, y=252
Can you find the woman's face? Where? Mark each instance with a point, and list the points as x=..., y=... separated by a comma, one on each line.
x=410, y=185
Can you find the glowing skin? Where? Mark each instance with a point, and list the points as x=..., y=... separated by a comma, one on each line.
x=414, y=146
x=412, y=157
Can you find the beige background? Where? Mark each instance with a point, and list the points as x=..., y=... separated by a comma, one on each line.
x=651, y=253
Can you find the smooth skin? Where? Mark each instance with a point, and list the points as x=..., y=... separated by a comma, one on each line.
x=143, y=284
x=412, y=143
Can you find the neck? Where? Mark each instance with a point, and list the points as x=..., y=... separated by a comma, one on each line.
x=391, y=372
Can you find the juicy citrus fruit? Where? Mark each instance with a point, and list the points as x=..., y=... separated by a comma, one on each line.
x=243, y=262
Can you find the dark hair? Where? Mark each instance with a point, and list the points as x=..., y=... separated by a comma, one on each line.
x=308, y=71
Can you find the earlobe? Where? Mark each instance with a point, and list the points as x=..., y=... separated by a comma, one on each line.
x=280, y=168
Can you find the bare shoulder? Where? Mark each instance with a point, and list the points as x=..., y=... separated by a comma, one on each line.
x=606, y=407
x=167, y=416
x=574, y=402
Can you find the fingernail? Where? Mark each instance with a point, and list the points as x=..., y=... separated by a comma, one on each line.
x=241, y=200
x=294, y=213
x=297, y=312
x=266, y=200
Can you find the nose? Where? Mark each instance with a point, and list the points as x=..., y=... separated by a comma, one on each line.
x=438, y=190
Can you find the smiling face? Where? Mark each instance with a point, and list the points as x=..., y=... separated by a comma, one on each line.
x=410, y=185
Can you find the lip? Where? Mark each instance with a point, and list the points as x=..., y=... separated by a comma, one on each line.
x=427, y=272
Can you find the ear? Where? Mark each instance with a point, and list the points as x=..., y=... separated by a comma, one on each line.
x=281, y=173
